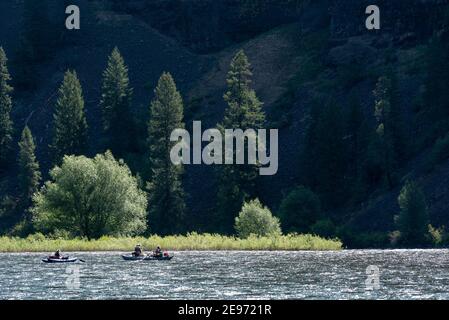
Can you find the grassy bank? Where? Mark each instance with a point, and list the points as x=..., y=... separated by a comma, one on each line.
x=38, y=243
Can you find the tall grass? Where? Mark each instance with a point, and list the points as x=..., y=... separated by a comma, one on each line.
x=193, y=241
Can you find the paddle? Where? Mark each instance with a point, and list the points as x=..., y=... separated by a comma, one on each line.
x=81, y=260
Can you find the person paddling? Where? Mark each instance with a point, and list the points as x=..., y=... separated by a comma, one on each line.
x=57, y=255
x=138, y=251
x=158, y=252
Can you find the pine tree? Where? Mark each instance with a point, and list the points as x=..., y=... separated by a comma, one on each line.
x=399, y=130
x=165, y=187
x=244, y=111
x=357, y=140
x=325, y=155
x=70, y=126
x=386, y=115
x=115, y=104
x=413, y=219
x=6, y=124
x=435, y=110
x=29, y=175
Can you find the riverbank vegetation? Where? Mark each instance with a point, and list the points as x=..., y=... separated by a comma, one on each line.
x=193, y=241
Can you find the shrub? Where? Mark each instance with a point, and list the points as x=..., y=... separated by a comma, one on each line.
x=357, y=239
x=7, y=206
x=60, y=235
x=299, y=210
x=192, y=241
x=440, y=152
x=91, y=198
x=395, y=237
x=413, y=219
x=436, y=235
x=22, y=229
x=324, y=228
x=255, y=219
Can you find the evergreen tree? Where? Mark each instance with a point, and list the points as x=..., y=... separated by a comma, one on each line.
x=388, y=128
x=413, y=219
x=70, y=126
x=29, y=175
x=325, y=155
x=115, y=104
x=300, y=210
x=354, y=127
x=6, y=124
x=365, y=156
x=244, y=111
x=166, y=195
x=398, y=127
x=435, y=110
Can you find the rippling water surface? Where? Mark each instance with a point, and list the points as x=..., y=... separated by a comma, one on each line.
x=404, y=274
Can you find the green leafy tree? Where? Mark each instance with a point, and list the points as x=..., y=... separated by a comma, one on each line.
x=413, y=219
x=167, y=205
x=70, y=125
x=91, y=198
x=115, y=104
x=300, y=210
x=29, y=175
x=255, y=219
x=244, y=111
x=324, y=228
x=6, y=124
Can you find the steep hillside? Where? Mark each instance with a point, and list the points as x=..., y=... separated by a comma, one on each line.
x=301, y=52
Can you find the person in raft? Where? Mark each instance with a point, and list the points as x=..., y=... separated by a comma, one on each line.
x=57, y=255
x=138, y=251
x=158, y=253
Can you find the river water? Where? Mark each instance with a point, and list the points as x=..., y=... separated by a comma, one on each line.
x=358, y=274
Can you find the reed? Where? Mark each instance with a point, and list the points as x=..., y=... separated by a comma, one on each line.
x=190, y=242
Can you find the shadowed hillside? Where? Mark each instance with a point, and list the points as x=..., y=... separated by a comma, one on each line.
x=304, y=55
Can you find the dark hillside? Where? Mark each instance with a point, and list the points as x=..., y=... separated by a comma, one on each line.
x=303, y=54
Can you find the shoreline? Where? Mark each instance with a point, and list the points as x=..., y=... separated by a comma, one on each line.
x=192, y=242
x=231, y=250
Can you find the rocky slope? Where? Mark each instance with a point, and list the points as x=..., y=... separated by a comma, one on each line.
x=299, y=50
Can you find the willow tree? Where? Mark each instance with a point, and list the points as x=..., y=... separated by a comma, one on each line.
x=91, y=198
